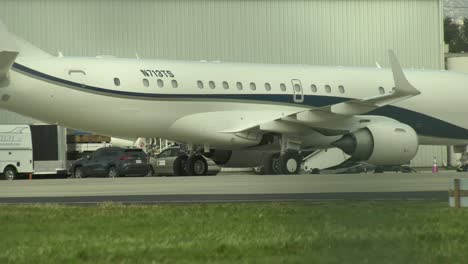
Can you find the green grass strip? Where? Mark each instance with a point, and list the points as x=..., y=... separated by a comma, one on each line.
x=304, y=232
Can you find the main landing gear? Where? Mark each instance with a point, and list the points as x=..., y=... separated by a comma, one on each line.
x=193, y=164
x=288, y=161
x=196, y=165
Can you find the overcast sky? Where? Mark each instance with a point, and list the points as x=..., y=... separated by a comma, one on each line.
x=456, y=8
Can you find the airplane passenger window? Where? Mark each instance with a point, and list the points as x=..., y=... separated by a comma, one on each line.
x=160, y=83
x=313, y=87
x=117, y=81
x=212, y=85
x=327, y=88
x=283, y=87
x=381, y=90
x=225, y=85
x=341, y=89
x=239, y=86
x=200, y=84
x=267, y=87
x=145, y=82
x=253, y=87
x=174, y=84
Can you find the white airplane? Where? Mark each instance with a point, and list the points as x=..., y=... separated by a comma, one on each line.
x=240, y=115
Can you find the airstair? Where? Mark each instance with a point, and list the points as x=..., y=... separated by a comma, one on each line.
x=324, y=158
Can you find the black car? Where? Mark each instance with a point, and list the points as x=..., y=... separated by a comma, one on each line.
x=111, y=162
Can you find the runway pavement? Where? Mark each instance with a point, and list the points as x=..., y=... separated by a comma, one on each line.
x=230, y=188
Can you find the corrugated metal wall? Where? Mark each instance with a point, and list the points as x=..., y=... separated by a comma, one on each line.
x=426, y=155
x=326, y=32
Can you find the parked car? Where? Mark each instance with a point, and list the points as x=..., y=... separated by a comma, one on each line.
x=164, y=163
x=112, y=162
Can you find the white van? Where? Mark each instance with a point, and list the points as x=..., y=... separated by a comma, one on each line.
x=16, y=151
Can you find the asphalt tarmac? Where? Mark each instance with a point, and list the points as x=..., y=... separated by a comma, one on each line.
x=230, y=188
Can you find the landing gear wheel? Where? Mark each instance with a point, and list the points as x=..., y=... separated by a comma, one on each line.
x=10, y=173
x=113, y=173
x=269, y=166
x=290, y=162
x=178, y=168
x=275, y=165
x=196, y=165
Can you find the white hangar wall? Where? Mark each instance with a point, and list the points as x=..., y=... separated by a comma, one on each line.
x=326, y=32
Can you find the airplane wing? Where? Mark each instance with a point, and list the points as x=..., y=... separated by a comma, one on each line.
x=8, y=51
x=347, y=113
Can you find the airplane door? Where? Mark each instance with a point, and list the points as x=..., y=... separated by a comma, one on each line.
x=297, y=91
x=77, y=76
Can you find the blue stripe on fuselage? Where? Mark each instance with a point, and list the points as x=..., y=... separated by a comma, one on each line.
x=421, y=123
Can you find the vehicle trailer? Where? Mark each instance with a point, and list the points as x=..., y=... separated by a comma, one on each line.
x=49, y=149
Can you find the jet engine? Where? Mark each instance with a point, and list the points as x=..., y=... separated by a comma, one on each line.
x=385, y=143
x=235, y=158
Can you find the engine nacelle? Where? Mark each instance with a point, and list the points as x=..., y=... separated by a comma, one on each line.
x=385, y=143
x=235, y=158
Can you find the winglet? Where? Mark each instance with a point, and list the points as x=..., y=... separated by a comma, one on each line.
x=402, y=85
x=14, y=44
x=7, y=42
x=8, y=51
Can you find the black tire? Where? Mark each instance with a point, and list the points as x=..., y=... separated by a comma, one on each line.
x=269, y=166
x=315, y=171
x=196, y=165
x=10, y=173
x=275, y=166
x=78, y=173
x=178, y=167
x=290, y=162
x=112, y=172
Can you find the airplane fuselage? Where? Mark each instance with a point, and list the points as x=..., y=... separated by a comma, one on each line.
x=198, y=102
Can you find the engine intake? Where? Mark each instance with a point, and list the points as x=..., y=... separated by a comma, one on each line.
x=385, y=143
